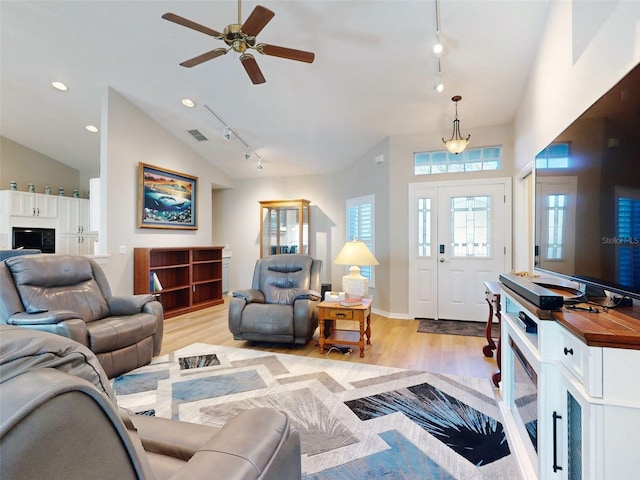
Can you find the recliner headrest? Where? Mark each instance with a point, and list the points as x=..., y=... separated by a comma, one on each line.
x=49, y=270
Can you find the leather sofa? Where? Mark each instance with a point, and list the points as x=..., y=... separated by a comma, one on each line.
x=70, y=296
x=281, y=305
x=60, y=420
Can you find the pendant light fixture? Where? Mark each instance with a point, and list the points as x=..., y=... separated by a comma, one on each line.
x=456, y=144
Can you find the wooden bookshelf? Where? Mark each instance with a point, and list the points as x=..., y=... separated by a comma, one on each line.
x=191, y=277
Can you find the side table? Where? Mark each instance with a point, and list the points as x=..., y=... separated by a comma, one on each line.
x=492, y=296
x=330, y=312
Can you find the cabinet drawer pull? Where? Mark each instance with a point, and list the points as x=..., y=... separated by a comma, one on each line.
x=568, y=351
x=556, y=417
x=341, y=314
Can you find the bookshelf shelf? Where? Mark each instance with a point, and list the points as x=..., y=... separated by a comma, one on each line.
x=191, y=277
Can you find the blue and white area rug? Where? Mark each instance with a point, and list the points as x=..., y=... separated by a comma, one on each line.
x=356, y=421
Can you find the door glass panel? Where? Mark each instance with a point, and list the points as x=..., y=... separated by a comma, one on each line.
x=424, y=227
x=556, y=213
x=470, y=221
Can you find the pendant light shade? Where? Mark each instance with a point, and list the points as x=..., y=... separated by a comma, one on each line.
x=457, y=143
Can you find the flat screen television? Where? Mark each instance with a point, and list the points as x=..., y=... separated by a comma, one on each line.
x=587, y=196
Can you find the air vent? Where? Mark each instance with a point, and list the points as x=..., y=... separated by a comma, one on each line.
x=198, y=136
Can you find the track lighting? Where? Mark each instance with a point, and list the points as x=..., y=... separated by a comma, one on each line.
x=438, y=47
x=439, y=86
x=228, y=131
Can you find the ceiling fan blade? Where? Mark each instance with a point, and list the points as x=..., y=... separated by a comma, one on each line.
x=257, y=21
x=288, y=53
x=204, y=57
x=172, y=17
x=253, y=70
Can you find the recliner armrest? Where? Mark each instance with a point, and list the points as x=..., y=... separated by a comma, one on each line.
x=307, y=295
x=256, y=443
x=47, y=317
x=129, y=304
x=250, y=295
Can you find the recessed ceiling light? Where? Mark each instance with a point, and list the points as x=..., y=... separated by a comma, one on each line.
x=60, y=86
x=187, y=102
x=92, y=128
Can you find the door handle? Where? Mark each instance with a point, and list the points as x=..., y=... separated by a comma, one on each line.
x=442, y=260
x=556, y=467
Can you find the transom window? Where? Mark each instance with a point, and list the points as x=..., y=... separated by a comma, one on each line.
x=471, y=160
x=556, y=155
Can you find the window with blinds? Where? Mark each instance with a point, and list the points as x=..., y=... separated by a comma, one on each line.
x=360, y=226
x=628, y=242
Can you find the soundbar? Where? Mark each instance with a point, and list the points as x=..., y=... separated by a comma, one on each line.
x=533, y=293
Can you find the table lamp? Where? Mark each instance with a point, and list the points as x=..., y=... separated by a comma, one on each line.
x=356, y=254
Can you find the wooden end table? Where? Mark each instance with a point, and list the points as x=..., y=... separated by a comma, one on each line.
x=330, y=312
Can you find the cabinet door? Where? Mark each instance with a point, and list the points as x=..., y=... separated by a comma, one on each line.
x=68, y=243
x=85, y=244
x=572, y=448
x=84, y=213
x=22, y=204
x=69, y=218
x=46, y=205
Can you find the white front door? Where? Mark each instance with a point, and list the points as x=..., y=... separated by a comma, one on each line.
x=457, y=240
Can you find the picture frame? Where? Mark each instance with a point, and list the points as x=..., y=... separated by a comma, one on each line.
x=166, y=199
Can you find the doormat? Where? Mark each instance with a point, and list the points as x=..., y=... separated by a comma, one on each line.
x=457, y=327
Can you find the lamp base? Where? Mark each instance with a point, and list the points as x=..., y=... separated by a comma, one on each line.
x=354, y=285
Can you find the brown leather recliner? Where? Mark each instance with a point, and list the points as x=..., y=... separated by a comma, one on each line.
x=59, y=420
x=69, y=295
x=281, y=305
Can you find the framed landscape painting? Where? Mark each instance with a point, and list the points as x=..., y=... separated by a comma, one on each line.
x=166, y=199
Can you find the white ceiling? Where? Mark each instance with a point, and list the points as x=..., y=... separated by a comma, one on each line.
x=373, y=75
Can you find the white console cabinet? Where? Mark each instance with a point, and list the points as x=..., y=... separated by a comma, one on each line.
x=73, y=230
x=584, y=388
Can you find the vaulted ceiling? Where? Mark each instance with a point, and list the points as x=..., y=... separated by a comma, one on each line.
x=372, y=77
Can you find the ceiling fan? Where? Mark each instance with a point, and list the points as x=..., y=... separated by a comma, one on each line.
x=241, y=37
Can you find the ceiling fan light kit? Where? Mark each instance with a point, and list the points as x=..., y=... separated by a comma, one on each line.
x=241, y=37
x=457, y=143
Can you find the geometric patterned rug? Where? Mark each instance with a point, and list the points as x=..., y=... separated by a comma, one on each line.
x=356, y=421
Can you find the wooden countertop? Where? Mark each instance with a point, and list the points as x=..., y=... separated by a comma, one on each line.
x=614, y=328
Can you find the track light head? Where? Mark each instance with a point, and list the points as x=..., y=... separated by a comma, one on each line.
x=226, y=133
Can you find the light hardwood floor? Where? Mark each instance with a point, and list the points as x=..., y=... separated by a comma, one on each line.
x=394, y=343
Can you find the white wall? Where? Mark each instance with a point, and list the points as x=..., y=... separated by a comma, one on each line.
x=402, y=148
x=129, y=137
x=584, y=50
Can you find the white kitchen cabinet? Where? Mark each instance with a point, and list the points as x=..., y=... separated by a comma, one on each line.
x=73, y=231
x=28, y=204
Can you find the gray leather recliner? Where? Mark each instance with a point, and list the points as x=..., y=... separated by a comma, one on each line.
x=281, y=305
x=59, y=420
x=70, y=296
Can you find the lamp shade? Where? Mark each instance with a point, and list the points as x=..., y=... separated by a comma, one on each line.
x=355, y=252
